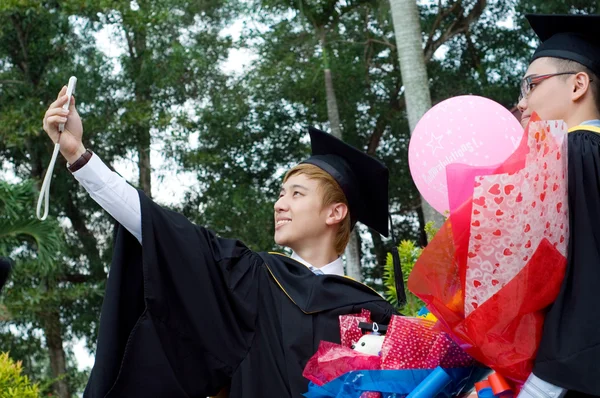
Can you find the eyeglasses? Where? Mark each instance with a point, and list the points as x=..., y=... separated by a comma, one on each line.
x=529, y=82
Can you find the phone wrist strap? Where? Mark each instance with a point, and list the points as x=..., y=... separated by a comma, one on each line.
x=45, y=192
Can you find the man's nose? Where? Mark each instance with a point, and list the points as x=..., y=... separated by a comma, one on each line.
x=281, y=204
x=522, y=105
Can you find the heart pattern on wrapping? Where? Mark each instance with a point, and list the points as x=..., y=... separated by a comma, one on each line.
x=520, y=210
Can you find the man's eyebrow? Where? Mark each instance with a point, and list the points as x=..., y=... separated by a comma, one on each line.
x=299, y=186
x=294, y=187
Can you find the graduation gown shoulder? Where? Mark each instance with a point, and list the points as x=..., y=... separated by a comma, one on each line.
x=188, y=313
x=570, y=347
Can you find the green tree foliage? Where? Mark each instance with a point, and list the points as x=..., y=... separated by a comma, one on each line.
x=35, y=293
x=12, y=383
x=266, y=110
x=20, y=229
x=409, y=252
x=170, y=54
x=40, y=46
x=43, y=43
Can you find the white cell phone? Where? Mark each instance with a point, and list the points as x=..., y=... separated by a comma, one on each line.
x=70, y=91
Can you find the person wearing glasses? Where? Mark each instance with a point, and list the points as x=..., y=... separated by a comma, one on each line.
x=562, y=82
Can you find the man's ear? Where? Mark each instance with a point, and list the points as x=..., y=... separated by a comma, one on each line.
x=581, y=86
x=336, y=213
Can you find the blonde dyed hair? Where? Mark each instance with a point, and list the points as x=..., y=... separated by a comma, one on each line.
x=332, y=193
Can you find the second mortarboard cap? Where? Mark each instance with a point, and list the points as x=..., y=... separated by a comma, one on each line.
x=572, y=37
x=363, y=178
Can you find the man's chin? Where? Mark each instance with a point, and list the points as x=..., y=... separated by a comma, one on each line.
x=281, y=240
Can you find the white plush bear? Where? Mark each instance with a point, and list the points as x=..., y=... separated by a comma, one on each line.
x=369, y=344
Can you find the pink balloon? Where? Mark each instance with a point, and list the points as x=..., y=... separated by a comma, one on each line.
x=468, y=129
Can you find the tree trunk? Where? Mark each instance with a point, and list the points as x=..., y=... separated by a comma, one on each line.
x=138, y=47
x=380, y=254
x=352, y=251
x=144, y=164
x=332, y=108
x=87, y=238
x=414, y=75
x=58, y=363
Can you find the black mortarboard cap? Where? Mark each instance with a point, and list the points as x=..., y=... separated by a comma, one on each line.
x=572, y=37
x=363, y=178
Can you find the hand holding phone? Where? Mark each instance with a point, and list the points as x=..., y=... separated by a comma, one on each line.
x=63, y=124
x=61, y=114
x=70, y=92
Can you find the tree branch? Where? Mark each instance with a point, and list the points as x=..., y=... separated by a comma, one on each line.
x=75, y=278
x=384, y=42
x=86, y=237
x=442, y=14
x=309, y=18
x=460, y=25
x=129, y=39
x=11, y=82
x=475, y=56
x=377, y=133
x=348, y=8
x=24, y=64
x=368, y=53
x=382, y=121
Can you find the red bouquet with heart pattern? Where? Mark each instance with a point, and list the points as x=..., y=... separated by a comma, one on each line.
x=498, y=262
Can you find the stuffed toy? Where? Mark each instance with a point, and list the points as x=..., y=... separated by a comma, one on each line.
x=369, y=344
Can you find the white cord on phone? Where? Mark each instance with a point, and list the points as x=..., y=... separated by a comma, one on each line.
x=45, y=191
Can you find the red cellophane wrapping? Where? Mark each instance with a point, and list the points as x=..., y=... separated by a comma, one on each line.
x=498, y=262
x=333, y=360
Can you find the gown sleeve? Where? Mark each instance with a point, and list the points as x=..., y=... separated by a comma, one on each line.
x=179, y=313
x=570, y=347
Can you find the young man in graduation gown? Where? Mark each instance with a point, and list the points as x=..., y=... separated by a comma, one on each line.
x=562, y=82
x=187, y=313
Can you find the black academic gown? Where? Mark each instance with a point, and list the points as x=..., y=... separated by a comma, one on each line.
x=569, y=353
x=188, y=313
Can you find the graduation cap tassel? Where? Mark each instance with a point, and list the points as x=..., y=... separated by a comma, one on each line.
x=398, y=276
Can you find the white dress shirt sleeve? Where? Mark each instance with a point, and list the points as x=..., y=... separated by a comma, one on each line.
x=112, y=193
x=535, y=387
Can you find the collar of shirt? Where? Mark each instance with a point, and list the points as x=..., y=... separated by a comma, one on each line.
x=593, y=122
x=336, y=267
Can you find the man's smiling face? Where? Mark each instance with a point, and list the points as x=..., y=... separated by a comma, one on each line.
x=299, y=213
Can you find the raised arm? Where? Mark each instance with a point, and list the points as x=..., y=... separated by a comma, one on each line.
x=106, y=187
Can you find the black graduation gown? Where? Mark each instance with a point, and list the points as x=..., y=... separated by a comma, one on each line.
x=188, y=313
x=569, y=353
